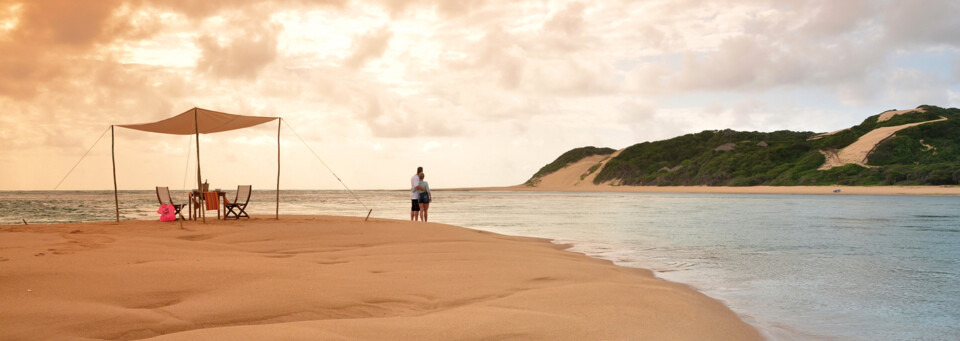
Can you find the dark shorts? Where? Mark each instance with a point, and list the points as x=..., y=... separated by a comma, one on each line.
x=416, y=205
x=424, y=198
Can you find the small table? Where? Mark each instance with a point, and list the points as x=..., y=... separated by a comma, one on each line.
x=196, y=201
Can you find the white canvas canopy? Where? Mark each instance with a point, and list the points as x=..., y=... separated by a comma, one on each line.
x=198, y=121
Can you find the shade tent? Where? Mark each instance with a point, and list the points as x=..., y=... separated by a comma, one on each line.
x=197, y=121
x=200, y=121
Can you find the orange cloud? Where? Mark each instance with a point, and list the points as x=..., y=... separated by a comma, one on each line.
x=243, y=56
x=368, y=46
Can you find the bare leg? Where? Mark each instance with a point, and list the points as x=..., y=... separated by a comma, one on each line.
x=423, y=211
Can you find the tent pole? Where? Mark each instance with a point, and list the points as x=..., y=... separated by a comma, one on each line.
x=196, y=130
x=279, y=121
x=113, y=158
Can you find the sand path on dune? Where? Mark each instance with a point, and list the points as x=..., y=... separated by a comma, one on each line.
x=858, y=151
x=330, y=278
x=886, y=115
x=576, y=174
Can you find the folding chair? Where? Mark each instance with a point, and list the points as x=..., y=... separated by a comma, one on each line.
x=239, y=203
x=163, y=195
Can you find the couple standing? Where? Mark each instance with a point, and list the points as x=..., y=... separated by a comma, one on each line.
x=419, y=196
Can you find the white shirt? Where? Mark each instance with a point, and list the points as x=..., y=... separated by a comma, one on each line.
x=414, y=182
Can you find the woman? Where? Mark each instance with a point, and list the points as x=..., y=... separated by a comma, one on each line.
x=425, y=197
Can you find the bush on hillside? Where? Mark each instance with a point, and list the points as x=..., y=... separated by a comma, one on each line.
x=788, y=158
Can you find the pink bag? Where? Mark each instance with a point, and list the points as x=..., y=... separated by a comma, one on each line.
x=167, y=213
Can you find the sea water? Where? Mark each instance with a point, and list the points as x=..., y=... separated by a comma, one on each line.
x=798, y=267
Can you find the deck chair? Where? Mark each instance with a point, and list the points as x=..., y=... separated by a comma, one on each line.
x=163, y=195
x=239, y=204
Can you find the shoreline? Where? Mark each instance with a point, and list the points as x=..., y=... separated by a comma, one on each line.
x=945, y=190
x=304, y=277
x=844, y=190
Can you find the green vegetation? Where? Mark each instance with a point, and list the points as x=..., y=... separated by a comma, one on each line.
x=567, y=158
x=927, y=154
x=592, y=169
x=749, y=163
x=925, y=144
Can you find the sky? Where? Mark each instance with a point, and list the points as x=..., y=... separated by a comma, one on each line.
x=478, y=92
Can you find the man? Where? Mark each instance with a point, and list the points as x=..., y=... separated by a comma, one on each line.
x=414, y=182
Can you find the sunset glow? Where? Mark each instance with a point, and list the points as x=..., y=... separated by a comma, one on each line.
x=480, y=93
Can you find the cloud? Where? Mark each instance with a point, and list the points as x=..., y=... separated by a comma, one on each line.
x=566, y=30
x=856, y=92
x=497, y=54
x=459, y=7
x=199, y=10
x=738, y=63
x=240, y=55
x=788, y=45
x=648, y=78
x=828, y=19
x=634, y=112
x=509, y=106
x=568, y=22
x=650, y=36
x=371, y=45
x=844, y=46
x=510, y=72
x=51, y=37
x=570, y=77
x=388, y=116
x=65, y=22
x=912, y=86
x=913, y=23
x=360, y=105
x=956, y=69
x=449, y=8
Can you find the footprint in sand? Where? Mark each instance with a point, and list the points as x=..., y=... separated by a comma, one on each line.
x=89, y=241
x=196, y=237
x=80, y=242
x=280, y=255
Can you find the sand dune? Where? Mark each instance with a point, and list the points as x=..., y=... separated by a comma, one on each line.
x=886, y=115
x=330, y=278
x=858, y=151
x=577, y=174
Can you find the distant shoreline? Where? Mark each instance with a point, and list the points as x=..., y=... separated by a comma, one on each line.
x=848, y=190
x=844, y=190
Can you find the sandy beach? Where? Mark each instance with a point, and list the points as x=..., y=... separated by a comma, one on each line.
x=330, y=278
x=844, y=190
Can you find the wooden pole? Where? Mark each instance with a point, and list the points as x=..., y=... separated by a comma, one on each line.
x=279, y=124
x=113, y=157
x=196, y=130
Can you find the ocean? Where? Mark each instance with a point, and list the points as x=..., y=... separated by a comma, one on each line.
x=798, y=267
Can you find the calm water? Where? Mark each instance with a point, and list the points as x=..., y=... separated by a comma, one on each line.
x=799, y=267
